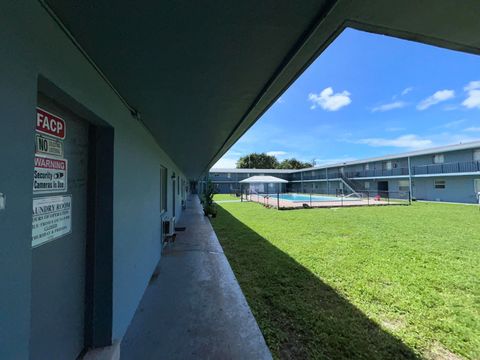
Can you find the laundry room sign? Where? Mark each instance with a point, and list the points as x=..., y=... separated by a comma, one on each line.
x=51, y=218
x=49, y=175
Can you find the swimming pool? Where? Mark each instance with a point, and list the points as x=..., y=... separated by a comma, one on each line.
x=307, y=198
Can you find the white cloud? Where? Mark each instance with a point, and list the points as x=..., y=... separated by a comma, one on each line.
x=473, y=99
x=405, y=141
x=407, y=90
x=472, y=129
x=277, y=153
x=439, y=96
x=472, y=85
x=453, y=124
x=225, y=163
x=328, y=100
x=389, y=106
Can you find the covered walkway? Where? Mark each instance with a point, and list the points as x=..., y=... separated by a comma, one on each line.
x=194, y=307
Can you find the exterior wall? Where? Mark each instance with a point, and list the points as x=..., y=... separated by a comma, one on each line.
x=449, y=157
x=228, y=182
x=460, y=188
x=457, y=189
x=34, y=46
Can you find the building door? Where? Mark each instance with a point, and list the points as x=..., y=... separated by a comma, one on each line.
x=59, y=234
x=382, y=186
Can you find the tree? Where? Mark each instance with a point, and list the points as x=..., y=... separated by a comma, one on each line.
x=257, y=161
x=293, y=164
x=264, y=161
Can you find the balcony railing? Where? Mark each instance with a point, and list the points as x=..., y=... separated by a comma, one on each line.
x=448, y=168
x=377, y=173
x=313, y=176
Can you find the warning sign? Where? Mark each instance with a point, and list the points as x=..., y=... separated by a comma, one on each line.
x=48, y=146
x=50, y=124
x=50, y=175
x=52, y=218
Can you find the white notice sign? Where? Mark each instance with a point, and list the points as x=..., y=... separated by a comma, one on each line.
x=48, y=146
x=50, y=175
x=52, y=218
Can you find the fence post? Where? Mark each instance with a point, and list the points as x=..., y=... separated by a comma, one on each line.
x=310, y=199
x=388, y=197
x=278, y=200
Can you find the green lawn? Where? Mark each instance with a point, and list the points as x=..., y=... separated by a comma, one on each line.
x=396, y=282
x=221, y=197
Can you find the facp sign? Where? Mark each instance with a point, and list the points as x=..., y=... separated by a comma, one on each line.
x=50, y=124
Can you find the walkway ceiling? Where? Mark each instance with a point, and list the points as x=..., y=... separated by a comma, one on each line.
x=200, y=73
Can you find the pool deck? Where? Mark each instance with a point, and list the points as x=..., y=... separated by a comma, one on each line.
x=285, y=204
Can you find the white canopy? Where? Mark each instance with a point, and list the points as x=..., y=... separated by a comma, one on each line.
x=263, y=180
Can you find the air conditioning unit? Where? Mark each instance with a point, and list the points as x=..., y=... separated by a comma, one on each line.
x=169, y=226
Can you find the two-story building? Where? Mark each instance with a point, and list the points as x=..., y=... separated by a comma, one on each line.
x=448, y=173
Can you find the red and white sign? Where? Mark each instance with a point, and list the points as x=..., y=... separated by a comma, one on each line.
x=50, y=124
x=50, y=175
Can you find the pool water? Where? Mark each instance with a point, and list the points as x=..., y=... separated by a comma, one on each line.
x=307, y=198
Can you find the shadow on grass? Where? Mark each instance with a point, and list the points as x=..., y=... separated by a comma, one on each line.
x=300, y=316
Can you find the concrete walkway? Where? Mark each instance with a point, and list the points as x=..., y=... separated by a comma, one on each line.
x=194, y=309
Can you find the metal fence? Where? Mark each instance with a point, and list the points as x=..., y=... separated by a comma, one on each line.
x=337, y=198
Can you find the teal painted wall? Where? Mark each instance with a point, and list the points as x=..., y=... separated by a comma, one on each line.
x=33, y=45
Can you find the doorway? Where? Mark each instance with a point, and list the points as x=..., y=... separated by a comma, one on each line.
x=383, y=186
x=59, y=233
x=72, y=247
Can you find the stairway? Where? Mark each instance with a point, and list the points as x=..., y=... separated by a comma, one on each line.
x=348, y=183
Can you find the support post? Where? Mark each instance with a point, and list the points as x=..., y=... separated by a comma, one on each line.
x=410, y=177
x=301, y=181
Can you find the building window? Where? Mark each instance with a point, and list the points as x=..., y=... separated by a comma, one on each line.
x=229, y=175
x=388, y=165
x=403, y=185
x=439, y=184
x=367, y=184
x=366, y=167
x=476, y=155
x=438, y=159
x=163, y=189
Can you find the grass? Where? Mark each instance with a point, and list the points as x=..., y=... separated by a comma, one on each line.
x=221, y=197
x=359, y=283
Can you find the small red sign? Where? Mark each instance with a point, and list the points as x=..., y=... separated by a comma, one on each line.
x=50, y=124
x=50, y=163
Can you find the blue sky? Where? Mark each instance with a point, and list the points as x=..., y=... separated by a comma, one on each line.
x=369, y=95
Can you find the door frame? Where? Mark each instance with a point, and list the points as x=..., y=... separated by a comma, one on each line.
x=174, y=192
x=99, y=245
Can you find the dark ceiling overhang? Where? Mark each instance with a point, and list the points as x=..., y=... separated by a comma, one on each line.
x=200, y=73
